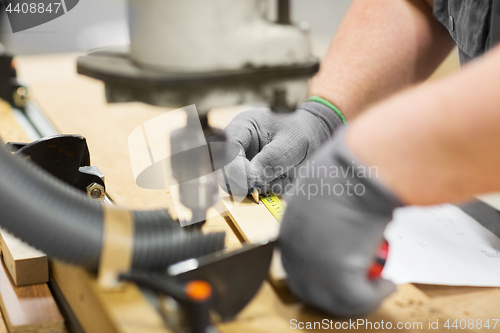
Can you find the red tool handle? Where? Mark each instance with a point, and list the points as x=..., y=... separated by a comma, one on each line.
x=375, y=270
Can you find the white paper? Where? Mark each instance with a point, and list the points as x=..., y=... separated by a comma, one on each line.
x=441, y=245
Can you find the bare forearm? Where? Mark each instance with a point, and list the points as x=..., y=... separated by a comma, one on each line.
x=382, y=46
x=439, y=142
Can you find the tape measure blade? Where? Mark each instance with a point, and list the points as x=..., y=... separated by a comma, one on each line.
x=274, y=205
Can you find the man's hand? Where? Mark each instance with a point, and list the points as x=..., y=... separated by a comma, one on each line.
x=331, y=230
x=271, y=146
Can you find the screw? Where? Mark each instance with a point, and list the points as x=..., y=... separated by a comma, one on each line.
x=96, y=191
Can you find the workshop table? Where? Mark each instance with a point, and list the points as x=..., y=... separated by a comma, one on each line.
x=76, y=105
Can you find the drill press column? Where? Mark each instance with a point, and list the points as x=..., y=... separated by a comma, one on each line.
x=197, y=156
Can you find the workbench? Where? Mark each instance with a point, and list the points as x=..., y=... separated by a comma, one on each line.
x=76, y=105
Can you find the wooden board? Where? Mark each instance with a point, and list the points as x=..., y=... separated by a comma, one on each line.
x=3, y=325
x=28, y=309
x=124, y=311
x=254, y=222
x=25, y=264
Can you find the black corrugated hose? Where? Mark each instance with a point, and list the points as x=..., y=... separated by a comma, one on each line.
x=62, y=222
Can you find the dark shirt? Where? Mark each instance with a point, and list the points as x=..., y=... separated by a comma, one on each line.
x=474, y=25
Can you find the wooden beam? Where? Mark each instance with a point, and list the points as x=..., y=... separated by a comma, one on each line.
x=25, y=264
x=254, y=222
x=28, y=309
x=3, y=325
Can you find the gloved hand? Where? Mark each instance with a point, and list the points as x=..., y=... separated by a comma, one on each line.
x=271, y=146
x=331, y=230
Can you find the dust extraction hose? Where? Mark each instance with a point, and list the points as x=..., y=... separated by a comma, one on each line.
x=58, y=220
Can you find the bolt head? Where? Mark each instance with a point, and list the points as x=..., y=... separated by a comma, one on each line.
x=96, y=191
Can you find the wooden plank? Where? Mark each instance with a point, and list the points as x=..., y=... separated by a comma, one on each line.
x=3, y=325
x=25, y=264
x=124, y=311
x=252, y=220
x=255, y=222
x=28, y=309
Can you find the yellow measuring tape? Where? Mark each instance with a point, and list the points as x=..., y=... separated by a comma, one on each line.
x=273, y=204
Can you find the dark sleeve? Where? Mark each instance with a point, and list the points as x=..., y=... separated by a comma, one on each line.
x=468, y=22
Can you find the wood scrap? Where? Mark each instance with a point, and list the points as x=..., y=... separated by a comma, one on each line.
x=25, y=264
x=28, y=309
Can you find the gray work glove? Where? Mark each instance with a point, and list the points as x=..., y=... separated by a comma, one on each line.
x=271, y=146
x=329, y=240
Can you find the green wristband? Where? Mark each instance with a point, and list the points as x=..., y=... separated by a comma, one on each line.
x=327, y=103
